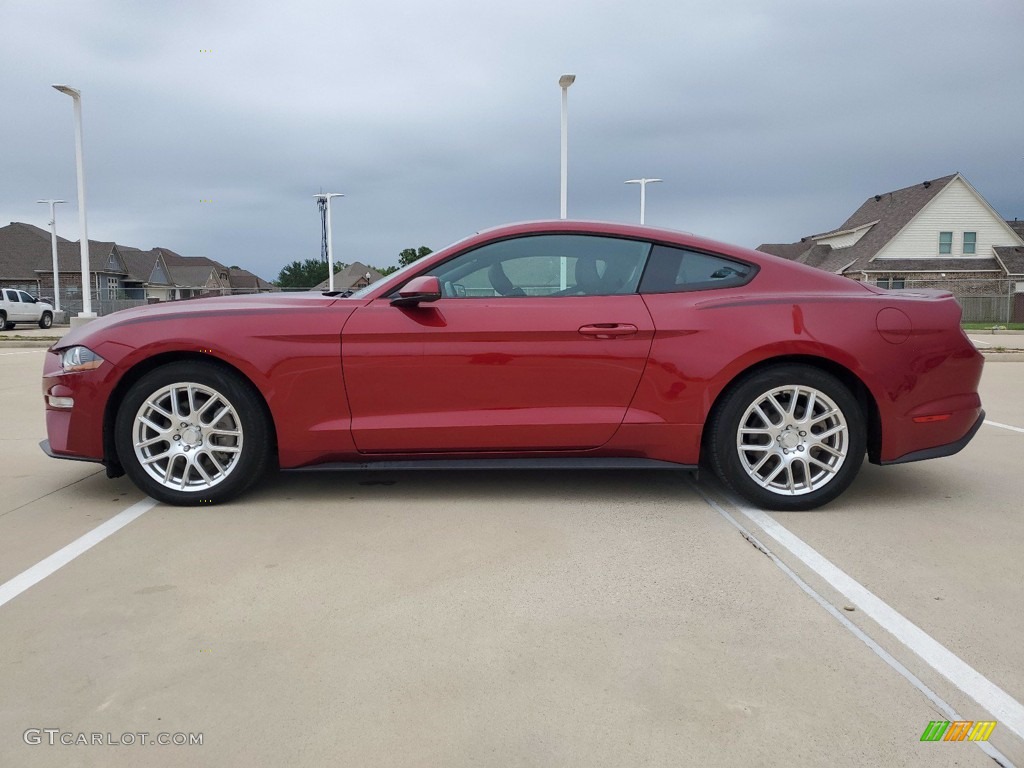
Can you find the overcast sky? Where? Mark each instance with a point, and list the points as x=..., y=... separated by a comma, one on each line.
x=767, y=120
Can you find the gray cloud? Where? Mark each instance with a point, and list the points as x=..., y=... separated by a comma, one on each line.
x=767, y=122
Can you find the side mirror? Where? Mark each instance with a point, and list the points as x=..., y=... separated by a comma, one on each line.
x=421, y=289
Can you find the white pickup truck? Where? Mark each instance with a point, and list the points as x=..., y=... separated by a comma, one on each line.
x=20, y=307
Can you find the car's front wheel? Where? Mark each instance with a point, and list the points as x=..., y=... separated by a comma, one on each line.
x=789, y=437
x=191, y=433
x=46, y=320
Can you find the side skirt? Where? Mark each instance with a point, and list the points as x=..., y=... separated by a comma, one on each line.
x=491, y=464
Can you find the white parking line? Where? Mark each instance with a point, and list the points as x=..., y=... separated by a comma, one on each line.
x=941, y=704
x=1003, y=426
x=1007, y=710
x=979, y=341
x=25, y=352
x=28, y=578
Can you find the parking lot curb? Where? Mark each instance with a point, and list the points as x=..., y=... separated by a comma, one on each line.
x=1012, y=356
x=27, y=343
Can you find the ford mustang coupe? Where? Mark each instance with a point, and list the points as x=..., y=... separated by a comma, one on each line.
x=548, y=344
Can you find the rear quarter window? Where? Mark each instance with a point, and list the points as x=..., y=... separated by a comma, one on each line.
x=672, y=270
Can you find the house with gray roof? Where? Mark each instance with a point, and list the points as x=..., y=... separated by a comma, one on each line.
x=148, y=275
x=353, y=277
x=23, y=247
x=119, y=275
x=940, y=233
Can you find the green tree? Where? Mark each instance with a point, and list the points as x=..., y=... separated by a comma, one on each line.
x=305, y=274
x=409, y=255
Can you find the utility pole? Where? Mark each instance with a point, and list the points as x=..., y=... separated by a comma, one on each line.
x=324, y=200
x=53, y=247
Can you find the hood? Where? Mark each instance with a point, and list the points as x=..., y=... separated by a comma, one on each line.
x=185, y=309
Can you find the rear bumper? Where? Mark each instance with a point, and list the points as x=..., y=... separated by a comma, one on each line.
x=940, y=450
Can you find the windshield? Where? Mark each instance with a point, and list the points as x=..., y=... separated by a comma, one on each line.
x=411, y=267
x=366, y=289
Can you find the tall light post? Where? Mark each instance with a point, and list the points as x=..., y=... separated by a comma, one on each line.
x=76, y=96
x=326, y=199
x=53, y=247
x=564, y=82
x=643, y=194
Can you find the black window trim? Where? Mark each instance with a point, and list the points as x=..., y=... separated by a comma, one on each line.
x=609, y=236
x=694, y=287
x=754, y=268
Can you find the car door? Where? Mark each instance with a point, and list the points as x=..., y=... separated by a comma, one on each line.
x=15, y=307
x=538, y=343
x=29, y=307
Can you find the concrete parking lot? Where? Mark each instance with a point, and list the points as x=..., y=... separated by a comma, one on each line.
x=507, y=619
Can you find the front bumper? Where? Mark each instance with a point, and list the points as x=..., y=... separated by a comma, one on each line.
x=45, y=446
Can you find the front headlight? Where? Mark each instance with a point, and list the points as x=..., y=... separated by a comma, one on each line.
x=79, y=359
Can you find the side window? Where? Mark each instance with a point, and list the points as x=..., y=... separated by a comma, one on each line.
x=546, y=265
x=671, y=270
x=26, y=298
x=13, y=296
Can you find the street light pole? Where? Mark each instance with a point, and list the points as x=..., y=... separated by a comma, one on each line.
x=330, y=252
x=76, y=96
x=564, y=82
x=643, y=194
x=53, y=247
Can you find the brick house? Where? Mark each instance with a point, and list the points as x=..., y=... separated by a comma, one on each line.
x=119, y=275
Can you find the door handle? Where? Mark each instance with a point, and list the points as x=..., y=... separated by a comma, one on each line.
x=608, y=330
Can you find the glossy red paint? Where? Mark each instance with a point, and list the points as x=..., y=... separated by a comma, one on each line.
x=634, y=375
x=500, y=373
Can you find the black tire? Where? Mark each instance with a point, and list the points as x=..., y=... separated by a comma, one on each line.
x=46, y=320
x=803, y=447
x=3, y=321
x=208, y=462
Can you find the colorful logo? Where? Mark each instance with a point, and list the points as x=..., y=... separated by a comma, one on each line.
x=958, y=730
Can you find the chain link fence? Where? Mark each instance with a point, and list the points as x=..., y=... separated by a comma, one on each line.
x=999, y=300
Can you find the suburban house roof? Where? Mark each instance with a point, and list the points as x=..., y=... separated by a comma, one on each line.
x=197, y=276
x=881, y=218
x=103, y=257
x=351, y=275
x=1012, y=259
x=244, y=279
x=146, y=266
x=25, y=254
x=22, y=248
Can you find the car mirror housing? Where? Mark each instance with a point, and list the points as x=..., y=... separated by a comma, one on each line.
x=421, y=289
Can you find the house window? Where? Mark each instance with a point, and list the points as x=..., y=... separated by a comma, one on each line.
x=945, y=242
x=970, y=243
x=891, y=282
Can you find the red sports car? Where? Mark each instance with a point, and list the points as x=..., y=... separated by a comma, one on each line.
x=549, y=344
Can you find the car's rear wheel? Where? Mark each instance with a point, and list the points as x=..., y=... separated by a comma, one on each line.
x=192, y=433
x=789, y=437
x=46, y=320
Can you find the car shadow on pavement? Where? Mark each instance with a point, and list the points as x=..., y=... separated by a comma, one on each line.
x=530, y=486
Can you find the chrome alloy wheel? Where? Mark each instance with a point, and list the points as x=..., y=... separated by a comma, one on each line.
x=187, y=436
x=792, y=440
